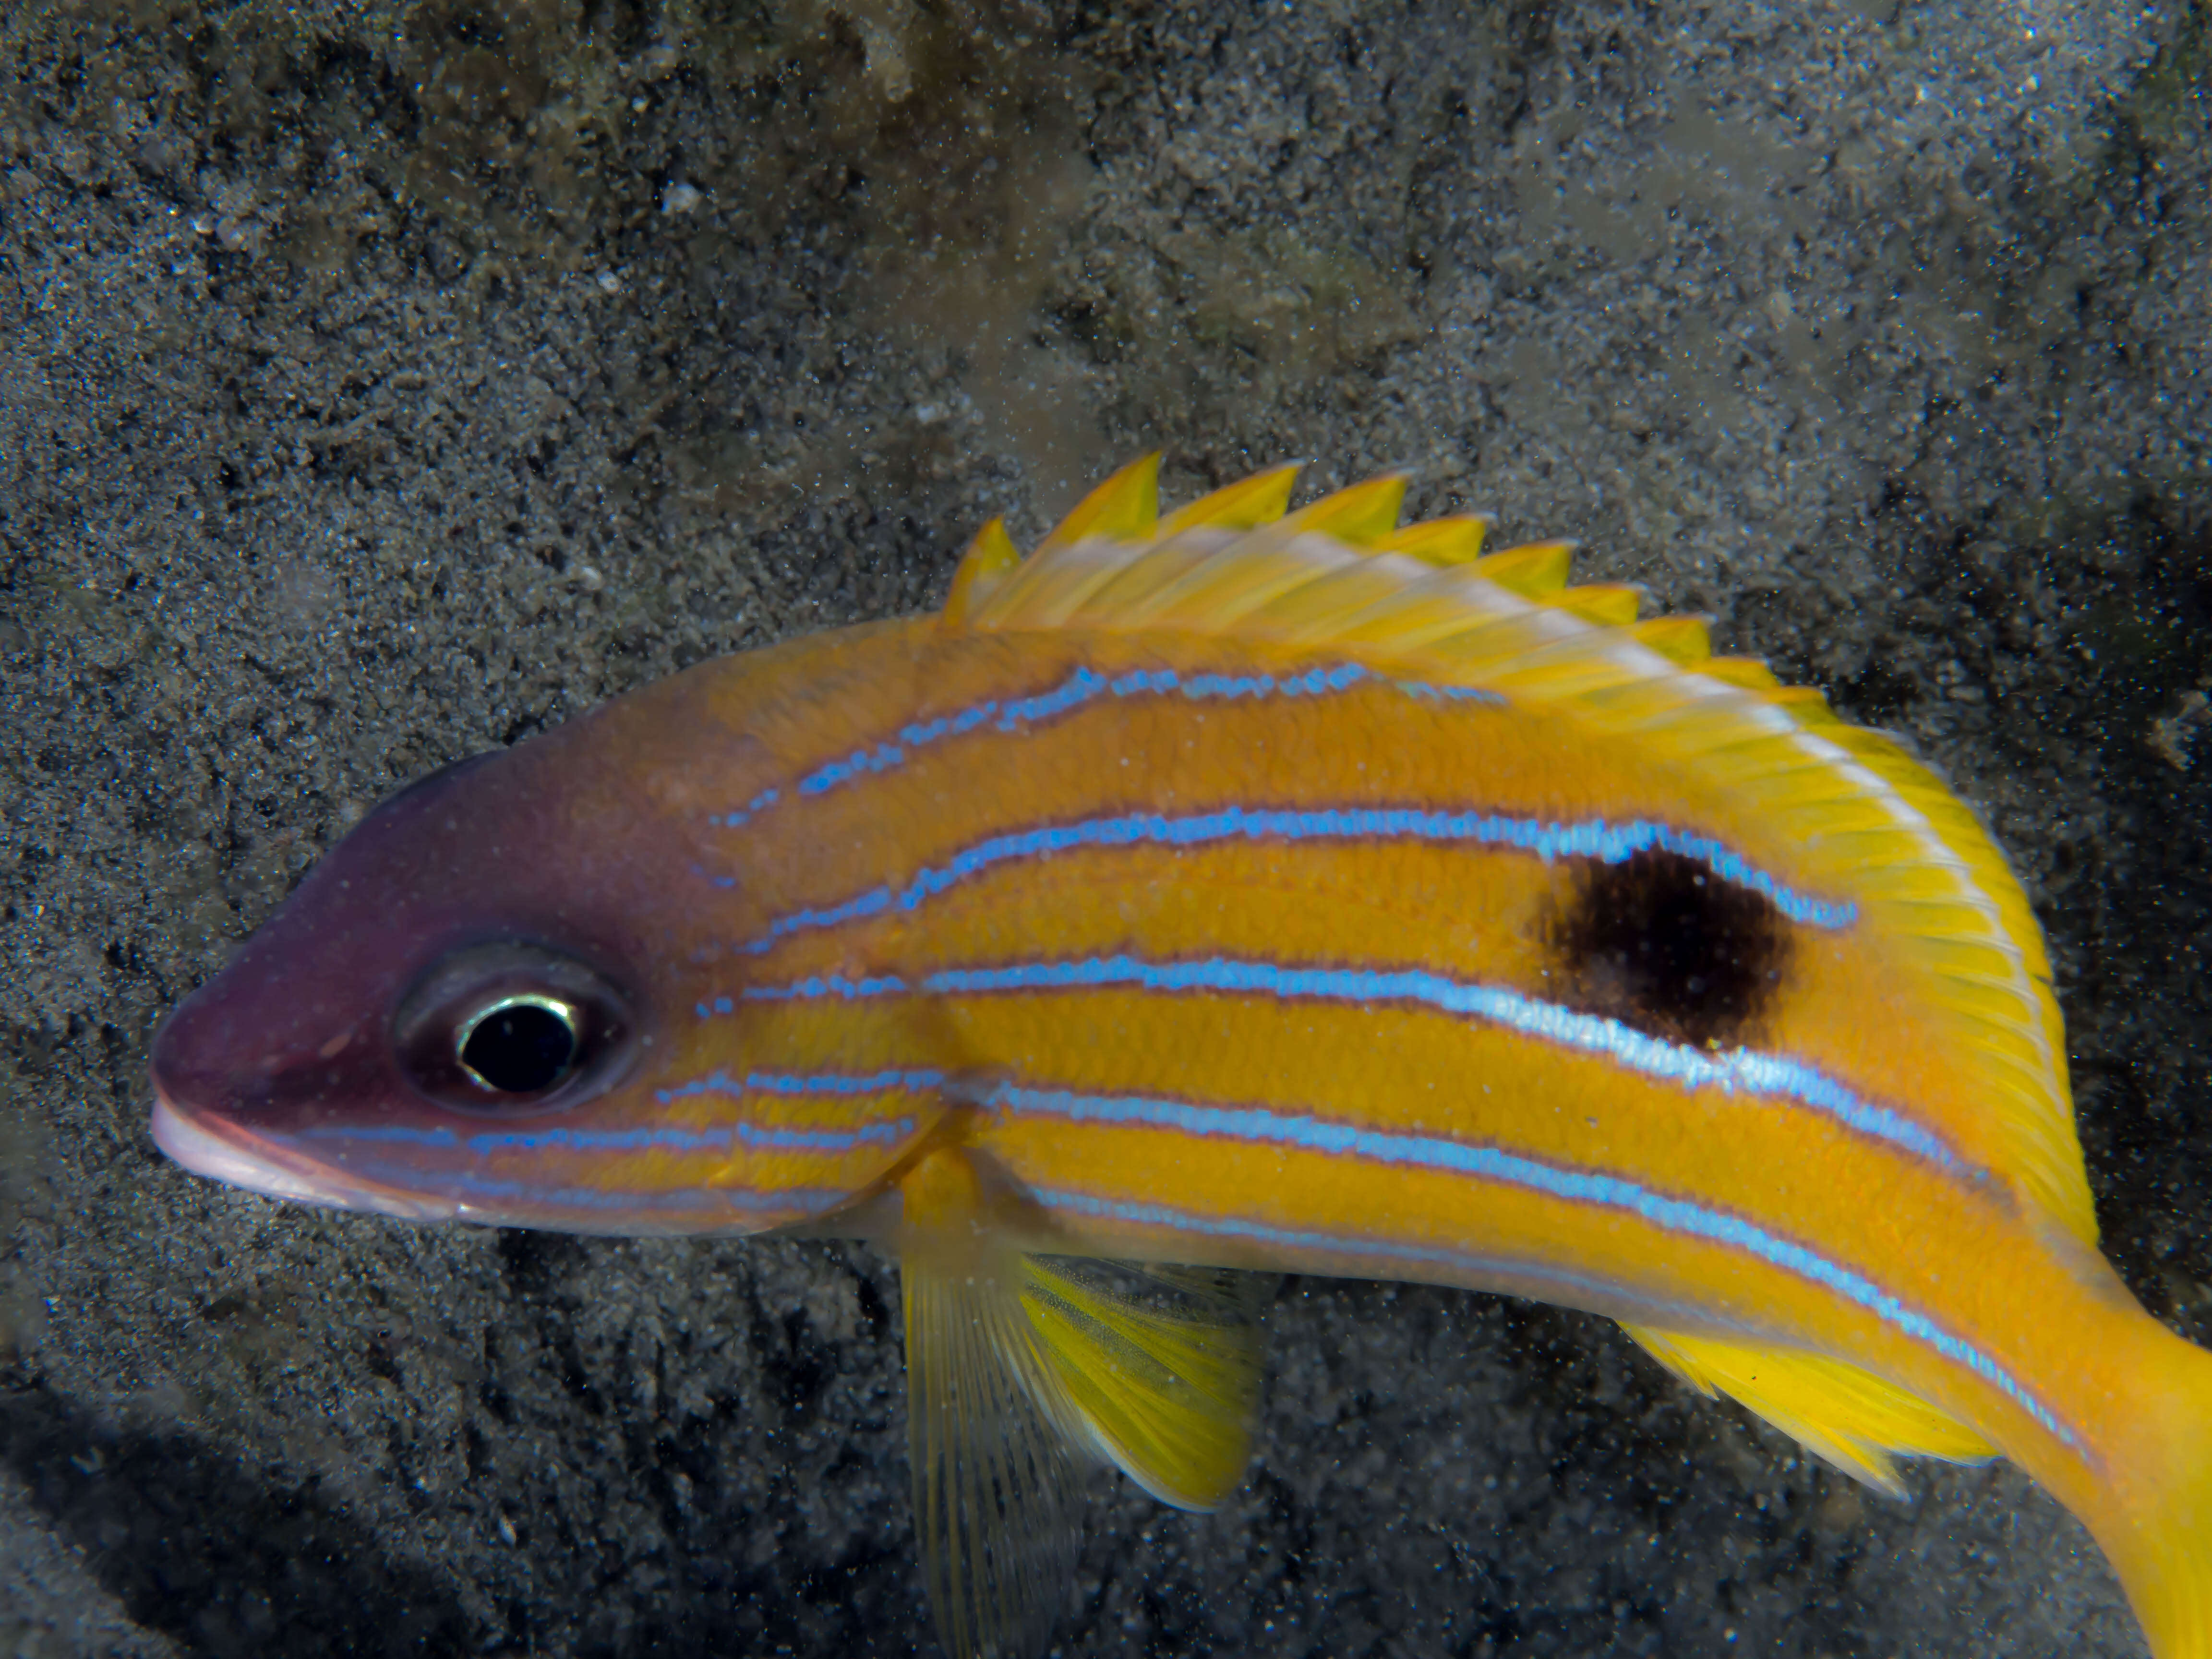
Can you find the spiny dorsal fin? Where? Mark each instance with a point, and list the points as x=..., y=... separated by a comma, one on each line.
x=1330, y=577
x=1746, y=673
x=1533, y=570
x=1361, y=516
x=1848, y=1416
x=1609, y=604
x=1439, y=542
x=989, y=560
x=1245, y=504
x=1124, y=509
x=1686, y=641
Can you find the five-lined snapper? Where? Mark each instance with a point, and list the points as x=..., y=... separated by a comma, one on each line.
x=1247, y=892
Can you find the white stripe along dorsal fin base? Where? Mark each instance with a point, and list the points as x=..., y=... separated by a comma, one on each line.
x=1327, y=577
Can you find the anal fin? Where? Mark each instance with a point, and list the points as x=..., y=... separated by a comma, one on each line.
x=1849, y=1417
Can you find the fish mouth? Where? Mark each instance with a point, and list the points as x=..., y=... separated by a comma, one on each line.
x=223, y=1152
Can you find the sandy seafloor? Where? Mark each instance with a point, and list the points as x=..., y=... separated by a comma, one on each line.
x=382, y=384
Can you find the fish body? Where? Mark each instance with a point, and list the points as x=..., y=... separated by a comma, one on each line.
x=1227, y=895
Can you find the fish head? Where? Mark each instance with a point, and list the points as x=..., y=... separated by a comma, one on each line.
x=474, y=1007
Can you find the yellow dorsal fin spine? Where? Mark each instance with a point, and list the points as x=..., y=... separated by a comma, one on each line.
x=1808, y=703
x=1360, y=516
x=1245, y=504
x=1531, y=570
x=1852, y=800
x=1608, y=604
x=1439, y=542
x=1686, y=641
x=989, y=560
x=1124, y=508
x=1747, y=672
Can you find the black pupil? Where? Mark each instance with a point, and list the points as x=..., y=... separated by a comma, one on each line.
x=520, y=1050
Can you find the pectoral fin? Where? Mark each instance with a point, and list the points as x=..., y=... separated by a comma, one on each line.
x=997, y=1449
x=996, y=1471
x=1849, y=1416
x=1023, y=1370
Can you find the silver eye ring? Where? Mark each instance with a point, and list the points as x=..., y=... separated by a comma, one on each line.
x=522, y=1044
x=513, y=1026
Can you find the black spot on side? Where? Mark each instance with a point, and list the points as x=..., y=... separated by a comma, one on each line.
x=1659, y=943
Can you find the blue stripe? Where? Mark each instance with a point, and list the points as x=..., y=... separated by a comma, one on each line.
x=767, y=798
x=806, y=1200
x=836, y=986
x=807, y=1083
x=1087, y=685
x=1672, y=1215
x=1470, y=1266
x=1594, y=838
x=1730, y=1071
x=751, y=1137
x=415, y=1182
x=404, y=1134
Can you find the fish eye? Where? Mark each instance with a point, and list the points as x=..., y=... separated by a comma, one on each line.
x=513, y=1027
x=519, y=1045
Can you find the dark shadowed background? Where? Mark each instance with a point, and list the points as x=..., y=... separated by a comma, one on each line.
x=383, y=382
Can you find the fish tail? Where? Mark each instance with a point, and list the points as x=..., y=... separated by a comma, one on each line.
x=2149, y=1502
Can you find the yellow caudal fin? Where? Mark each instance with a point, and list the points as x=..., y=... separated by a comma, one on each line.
x=1421, y=602
x=2144, y=1489
x=2127, y=1446
x=1849, y=1417
x=1024, y=1372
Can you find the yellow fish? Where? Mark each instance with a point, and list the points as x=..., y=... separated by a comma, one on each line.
x=1222, y=895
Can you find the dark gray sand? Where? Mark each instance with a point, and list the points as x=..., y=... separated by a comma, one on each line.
x=389, y=384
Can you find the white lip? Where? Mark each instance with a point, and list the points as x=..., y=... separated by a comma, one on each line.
x=205, y=1153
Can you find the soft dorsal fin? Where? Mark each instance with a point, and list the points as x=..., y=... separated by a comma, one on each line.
x=1333, y=577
